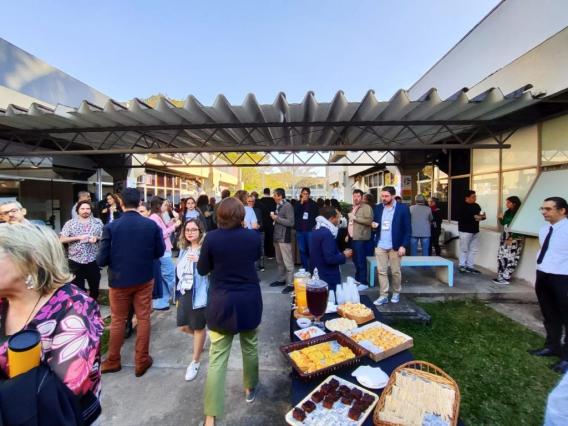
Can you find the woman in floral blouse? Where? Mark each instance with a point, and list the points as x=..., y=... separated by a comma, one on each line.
x=35, y=294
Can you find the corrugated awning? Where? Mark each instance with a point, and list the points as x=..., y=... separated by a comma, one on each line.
x=339, y=125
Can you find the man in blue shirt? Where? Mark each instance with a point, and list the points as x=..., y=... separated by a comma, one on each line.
x=392, y=222
x=305, y=213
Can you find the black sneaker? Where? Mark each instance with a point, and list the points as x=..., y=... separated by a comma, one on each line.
x=473, y=271
x=463, y=270
x=287, y=290
x=500, y=281
x=278, y=284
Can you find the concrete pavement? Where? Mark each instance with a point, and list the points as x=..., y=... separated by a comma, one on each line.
x=163, y=397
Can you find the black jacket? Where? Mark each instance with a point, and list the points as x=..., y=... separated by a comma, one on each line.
x=310, y=222
x=129, y=247
x=40, y=398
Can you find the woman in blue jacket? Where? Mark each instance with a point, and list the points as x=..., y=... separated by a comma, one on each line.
x=192, y=290
x=324, y=254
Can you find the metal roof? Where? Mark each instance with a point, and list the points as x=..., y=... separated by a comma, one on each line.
x=136, y=127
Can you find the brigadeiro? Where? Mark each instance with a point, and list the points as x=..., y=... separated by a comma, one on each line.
x=354, y=413
x=299, y=414
x=317, y=397
x=334, y=383
x=367, y=399
x=325, y=388
x=356, y=393
x=308, y=406
x=328, y=402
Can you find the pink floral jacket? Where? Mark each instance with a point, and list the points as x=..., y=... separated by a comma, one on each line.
x=71, y=327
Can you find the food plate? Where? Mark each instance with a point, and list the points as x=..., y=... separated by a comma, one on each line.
x=371, y=377
x=356, y=311
x=338, y=340
x=338, y=414
x=340, y=324
x=394, y=340
x=308, y=333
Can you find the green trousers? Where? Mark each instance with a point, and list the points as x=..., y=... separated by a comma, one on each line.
x=218, y=357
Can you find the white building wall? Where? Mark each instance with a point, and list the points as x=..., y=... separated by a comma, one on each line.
x=24, y=73
x=512, y=29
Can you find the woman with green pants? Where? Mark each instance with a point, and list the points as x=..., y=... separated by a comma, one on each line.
x=235, y=303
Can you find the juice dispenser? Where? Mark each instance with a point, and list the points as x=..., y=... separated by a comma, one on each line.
x=300, y=280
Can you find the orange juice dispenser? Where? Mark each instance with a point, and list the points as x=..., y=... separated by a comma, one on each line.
x=300, y=280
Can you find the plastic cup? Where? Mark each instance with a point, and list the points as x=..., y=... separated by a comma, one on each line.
x=24, y=352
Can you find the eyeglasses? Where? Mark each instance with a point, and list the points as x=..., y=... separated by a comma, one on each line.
x=192, y=230
x=546, y=209
x=13, y=211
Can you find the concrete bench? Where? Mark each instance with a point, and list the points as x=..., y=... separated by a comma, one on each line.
x=444, y=268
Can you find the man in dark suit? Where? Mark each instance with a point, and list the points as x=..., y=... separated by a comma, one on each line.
x=129, y=247
x=392, y=223
x=268, y=206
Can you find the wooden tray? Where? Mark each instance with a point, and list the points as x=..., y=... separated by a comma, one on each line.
x=378, y=356
x=341, y=338
x=292, y=421
x=427, y=371
x=359, y=320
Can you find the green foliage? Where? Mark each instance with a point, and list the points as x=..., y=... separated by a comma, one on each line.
x=486, y=353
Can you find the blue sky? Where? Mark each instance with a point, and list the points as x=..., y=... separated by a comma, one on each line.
x=130, y=49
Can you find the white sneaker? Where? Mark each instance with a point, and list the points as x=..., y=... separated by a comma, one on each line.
x=191, y=372
x=383, y=300
x=395, y=298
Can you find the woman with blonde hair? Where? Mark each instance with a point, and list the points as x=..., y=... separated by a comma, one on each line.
x=192, y=289
x=36, y=294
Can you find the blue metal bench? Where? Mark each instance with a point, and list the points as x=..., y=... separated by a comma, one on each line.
x=444, y=268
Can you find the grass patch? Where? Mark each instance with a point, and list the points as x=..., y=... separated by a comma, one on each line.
x=486, y=353
x=105, y=336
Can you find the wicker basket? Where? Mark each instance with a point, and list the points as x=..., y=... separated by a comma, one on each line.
x=342, y=339
x=427, y=371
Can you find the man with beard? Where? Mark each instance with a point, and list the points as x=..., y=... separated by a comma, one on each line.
x=83, y=234
x=392, y=222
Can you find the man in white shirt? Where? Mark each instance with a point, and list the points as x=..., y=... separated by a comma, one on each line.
x=552, y=281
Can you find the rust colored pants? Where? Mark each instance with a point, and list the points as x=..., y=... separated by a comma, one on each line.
x=140, y=297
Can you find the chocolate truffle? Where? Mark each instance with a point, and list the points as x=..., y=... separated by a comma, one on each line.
x=354, y=413
x=328, y=402
x=299, y=414
x=317, y=397
x=308, y=406
x=356, y=393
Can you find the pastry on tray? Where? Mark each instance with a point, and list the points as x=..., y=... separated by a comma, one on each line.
x=320, y=356
x=356, y=311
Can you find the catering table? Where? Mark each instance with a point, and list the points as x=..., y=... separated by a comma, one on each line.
x=301, y=388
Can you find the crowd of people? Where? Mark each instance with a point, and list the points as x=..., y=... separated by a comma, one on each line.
x=216, y=287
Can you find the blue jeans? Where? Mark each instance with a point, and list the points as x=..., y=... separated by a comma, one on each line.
x=424, y=242
x=167, y=271
x=303, y=240
x=360, y=259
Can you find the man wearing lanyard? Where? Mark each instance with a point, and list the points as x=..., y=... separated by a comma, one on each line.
x=359, y=230
x=552, y=281
x=305, y=213
x=392, y=221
